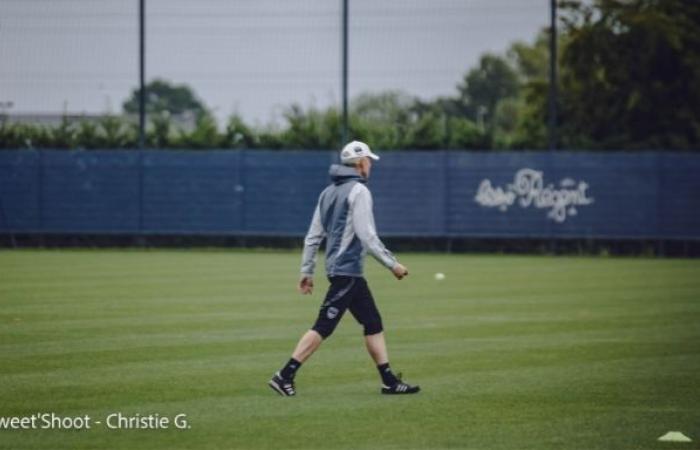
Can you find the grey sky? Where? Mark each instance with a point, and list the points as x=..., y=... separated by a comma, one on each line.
x=250, y=56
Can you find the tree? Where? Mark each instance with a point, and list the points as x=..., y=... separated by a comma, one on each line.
x=428, y=132
x=382, y=118
x=630, y=74
x=485, y=85
x=162, y=96
x=532, y=60
x=522, y=123
x=312, y=129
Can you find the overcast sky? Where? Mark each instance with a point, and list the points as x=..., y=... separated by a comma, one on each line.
x=250, y=56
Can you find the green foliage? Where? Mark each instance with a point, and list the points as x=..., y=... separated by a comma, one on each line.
x=238, y=134
x=532, y=60
x=531, y=128
x=19, y=135
x=630, y=75
x=462, y=133
x=112, y=132
x=312, y=129
x=505, y=122
x=205, y=134
x=427, y=132
x=160, y=134
x=490, y=100
x=493, y=80
x=87, y=135
x=526, y=126
x=63, y=136
x=270, y=138
x=162, y=96
x=383, y=119
x=116, y=133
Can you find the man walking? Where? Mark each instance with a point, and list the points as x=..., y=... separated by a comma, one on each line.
x=344, y=217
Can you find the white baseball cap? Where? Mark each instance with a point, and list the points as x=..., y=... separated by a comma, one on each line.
x=354, y=151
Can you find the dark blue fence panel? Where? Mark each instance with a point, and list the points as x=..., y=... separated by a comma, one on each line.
x=20, y=193
x=89, y=191
x=408, y=191
x=621, y=188
x=281, y=189
x=498, y=194
x=679, y=196
x=191, y=191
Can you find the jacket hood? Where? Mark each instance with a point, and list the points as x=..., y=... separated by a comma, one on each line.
x=342, y=174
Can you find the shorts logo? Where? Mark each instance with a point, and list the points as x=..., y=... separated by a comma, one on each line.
x=332, y=312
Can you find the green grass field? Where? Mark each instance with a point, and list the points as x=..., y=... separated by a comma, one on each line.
x=512, y=352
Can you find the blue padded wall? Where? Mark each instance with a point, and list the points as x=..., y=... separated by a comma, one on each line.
x=440, y=193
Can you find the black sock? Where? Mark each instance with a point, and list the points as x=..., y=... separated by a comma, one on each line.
x=290, y=369
x=388, y=377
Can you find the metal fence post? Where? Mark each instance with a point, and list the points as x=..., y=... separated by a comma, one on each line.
x=344, y=75
x=142, y=107
x=40, y=188
x=142, y=70
x=6, y=224
x=553, y=76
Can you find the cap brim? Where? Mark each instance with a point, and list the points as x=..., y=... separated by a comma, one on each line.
x=373, y=156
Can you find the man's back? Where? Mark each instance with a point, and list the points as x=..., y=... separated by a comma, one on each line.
x=344, y=216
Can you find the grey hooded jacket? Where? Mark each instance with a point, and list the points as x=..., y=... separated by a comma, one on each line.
x=344, y=216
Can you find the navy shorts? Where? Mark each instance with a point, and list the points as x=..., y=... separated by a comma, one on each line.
x=348, y=293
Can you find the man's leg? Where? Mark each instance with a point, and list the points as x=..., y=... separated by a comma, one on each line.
x=376, y=346
x=335, y=303
x=307, y=345
x=365, y=311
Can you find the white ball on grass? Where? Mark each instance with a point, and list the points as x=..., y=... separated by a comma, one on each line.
x=439, y=276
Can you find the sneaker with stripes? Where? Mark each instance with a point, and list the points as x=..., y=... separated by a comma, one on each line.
x=400, y=388
x=283, y=387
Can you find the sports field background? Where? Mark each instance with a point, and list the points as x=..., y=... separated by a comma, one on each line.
x=512, y=352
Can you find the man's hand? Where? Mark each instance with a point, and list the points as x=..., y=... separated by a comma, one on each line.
x=306, y=284
x=399, y=271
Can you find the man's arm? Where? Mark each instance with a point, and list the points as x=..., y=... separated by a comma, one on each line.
x=313, y=240
x=363, y=224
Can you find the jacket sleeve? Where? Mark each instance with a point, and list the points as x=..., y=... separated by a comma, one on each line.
x=313, y=240
x=363, y=224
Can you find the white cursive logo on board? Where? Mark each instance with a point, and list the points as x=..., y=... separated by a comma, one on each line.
x=528, y=188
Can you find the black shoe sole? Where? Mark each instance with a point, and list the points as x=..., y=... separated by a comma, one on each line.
x=390, y=392
x=278, y=389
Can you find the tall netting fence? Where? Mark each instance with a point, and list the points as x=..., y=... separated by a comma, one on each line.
x=66, y=59
x=264, y=74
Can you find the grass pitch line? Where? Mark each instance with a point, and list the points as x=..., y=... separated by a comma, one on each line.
x=675, y=436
